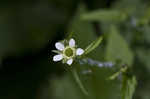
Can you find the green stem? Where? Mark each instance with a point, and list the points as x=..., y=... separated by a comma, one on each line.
x=75, y=74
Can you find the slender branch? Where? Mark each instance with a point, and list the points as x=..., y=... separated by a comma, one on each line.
x=78, y=81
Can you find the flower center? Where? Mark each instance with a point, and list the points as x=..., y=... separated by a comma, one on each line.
x=69, y=52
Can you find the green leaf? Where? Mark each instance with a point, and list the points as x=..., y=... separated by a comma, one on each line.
x=93, y=45
x=104, y=15
x=115, y=75
x=70, y=35
x=128, y=87
x=117, y=48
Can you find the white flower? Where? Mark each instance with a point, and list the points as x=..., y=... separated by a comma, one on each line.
x=67, y=51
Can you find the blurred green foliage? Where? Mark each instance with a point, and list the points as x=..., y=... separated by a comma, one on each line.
x=125, y=26
x=126, y=39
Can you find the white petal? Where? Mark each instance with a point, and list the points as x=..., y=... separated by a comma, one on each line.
x=70, y=61
x=59, y=46
x=57, y=58
x=72, y=43
x=79, y=51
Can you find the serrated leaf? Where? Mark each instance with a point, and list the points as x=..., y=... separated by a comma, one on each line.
x=117, y=48
x=104, y=15
x=93, y=45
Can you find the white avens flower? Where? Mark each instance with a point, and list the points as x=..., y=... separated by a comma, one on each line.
x=67, y=51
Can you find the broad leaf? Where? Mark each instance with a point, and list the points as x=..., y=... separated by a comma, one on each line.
x=117, y=48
